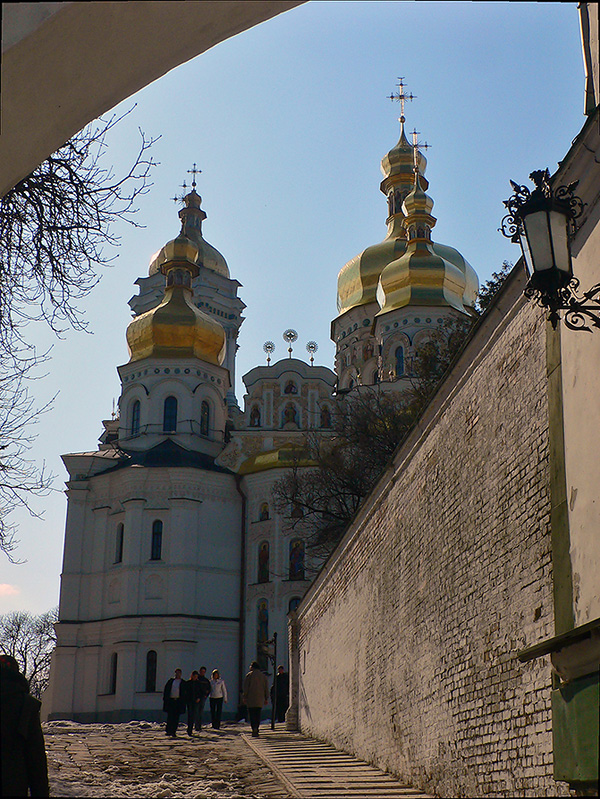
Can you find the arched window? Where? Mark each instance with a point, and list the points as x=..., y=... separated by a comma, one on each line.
x=151, y=671
x=297, y=559
x=255, y=416
x=399, y=356
x=135, y=418
x=119, y=543
x=375, y=377
x=293, y=604
x=325, y=417
x=264, y=512
x=156, y=546
x=112, y=685
x=296, y=512
x=263, y=562
x=204, y=418
x=290, y=414
x=262, y=632
x=170, y=415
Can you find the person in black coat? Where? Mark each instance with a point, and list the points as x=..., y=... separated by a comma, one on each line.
x=174, y=702
x=24, y=764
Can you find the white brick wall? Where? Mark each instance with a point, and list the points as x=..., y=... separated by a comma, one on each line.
x=407, y=641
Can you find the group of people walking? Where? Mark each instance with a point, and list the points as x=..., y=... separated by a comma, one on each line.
x=181, y=695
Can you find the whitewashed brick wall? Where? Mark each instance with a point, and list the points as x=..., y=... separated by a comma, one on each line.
x=407, y=641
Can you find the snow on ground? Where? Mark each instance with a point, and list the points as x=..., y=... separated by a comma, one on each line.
x=136, y=759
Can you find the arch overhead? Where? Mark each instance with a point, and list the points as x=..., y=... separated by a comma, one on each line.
x=88, y=57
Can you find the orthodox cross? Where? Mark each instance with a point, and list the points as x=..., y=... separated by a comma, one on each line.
x=193, y=172
x=417, y=145
x=181, y=198
x=401, y=97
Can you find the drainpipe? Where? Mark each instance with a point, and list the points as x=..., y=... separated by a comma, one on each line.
x=242, y=624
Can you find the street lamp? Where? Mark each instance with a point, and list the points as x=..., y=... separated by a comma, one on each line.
x=542, y=221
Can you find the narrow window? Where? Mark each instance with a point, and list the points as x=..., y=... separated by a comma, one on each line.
x=170, y=415
x=325, y=417
x=297, y=559
x=151, y=671
x=294, y=602
x=204, y=418
x=119, y=544
x=156, y=548
x=399, y=355
x=112, y=689
x=263, y=562
x=135, y=418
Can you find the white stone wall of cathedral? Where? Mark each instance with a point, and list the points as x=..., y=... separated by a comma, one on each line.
x=279, y=591
x=191, y=382
x=356, y=348
x=184, y=604
x=408, y=638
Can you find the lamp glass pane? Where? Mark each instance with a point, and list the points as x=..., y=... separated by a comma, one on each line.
x=560, y=241
x=526, y=254
x=538, y=236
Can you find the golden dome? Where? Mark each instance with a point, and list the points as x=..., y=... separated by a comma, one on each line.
x=192, y=216
x=176, y=328
x=422, y=275
x=357, y=280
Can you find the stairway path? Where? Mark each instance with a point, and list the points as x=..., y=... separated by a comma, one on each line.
x=313, y=769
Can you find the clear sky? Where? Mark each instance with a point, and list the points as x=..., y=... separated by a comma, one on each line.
x=288, y=122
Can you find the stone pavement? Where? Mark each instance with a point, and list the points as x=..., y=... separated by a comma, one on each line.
x=310, y=768
x=136, y=759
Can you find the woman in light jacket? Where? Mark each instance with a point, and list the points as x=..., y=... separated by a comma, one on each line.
x=218, y=695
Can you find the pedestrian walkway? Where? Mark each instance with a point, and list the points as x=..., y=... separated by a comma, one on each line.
x=310, y=768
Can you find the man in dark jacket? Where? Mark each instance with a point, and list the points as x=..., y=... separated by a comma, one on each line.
x=24, y=765
x=174, y=702
x=205, y=692
x=255, y=694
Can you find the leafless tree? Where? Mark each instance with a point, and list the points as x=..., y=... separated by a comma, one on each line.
x=30, y=640
x=20, y=477
x=55, y=231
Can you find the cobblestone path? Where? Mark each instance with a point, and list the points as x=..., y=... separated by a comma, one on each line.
x=138, y=760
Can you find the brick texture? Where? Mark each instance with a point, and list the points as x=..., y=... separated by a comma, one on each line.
x=407, y=643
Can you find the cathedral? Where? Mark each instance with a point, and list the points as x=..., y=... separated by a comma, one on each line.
x=175, y=554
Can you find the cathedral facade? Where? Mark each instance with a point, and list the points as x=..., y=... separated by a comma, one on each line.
x=175, y=554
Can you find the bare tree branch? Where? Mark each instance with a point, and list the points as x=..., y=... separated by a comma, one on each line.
x=55, y=231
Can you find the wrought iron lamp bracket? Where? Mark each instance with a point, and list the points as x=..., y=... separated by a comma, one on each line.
x=581, y=310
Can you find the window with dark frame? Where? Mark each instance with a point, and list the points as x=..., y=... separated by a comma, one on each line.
x=151, y=659
x=135, y=418
x=204, y=418
x=113, y=673
x=119, y=543
x=170, y=415
x=156, y=546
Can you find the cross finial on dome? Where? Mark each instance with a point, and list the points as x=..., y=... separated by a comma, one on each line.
x=401, y=97
x=193, y=172
x=179, y=198
x=417, y=145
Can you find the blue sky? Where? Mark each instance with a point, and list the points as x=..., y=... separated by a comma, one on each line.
x=289, y=122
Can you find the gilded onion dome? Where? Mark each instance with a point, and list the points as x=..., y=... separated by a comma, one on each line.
x=192, y=216
x=357, y=280
x=425, y=274
x=176, y=328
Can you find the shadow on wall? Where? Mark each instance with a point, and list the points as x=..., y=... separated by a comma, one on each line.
x=303, y=703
